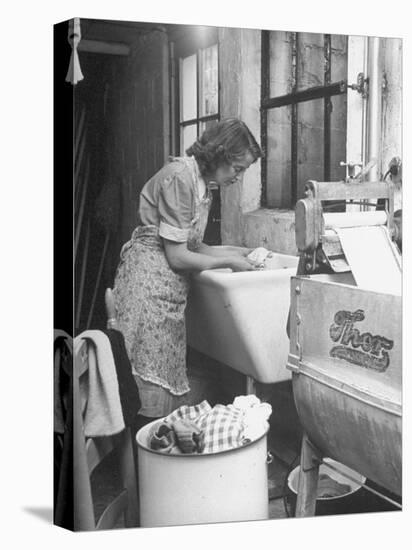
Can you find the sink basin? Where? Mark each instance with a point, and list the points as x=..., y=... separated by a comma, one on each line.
x=240, y=318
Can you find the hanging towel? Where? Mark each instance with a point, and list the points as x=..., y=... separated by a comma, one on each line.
x=64, y=470
x=63, y=353
x=103, y=414
x=63, y=425
x=128, y=391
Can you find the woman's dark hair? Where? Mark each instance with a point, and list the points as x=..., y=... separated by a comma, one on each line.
x=223, y=143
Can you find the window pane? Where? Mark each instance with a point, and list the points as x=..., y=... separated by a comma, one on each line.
x=279, y=189
x=338, y=137
x=188, y=90
x=310, y=143
x=208, y=81
x=311, y=60
x=188, y=135
x=339, y=57
x=206, y=125
x=280, y=63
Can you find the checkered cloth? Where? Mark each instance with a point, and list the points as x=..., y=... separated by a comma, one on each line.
x=222, y=426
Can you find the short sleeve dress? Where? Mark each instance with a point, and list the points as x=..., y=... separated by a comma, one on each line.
x=150, y=297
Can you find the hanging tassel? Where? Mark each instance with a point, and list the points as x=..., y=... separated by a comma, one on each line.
x=74, y=74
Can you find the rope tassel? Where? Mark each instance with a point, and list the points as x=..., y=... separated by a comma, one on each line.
x=74, y=74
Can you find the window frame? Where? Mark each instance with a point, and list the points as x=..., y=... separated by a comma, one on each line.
x=183, y=45
x=293, y=98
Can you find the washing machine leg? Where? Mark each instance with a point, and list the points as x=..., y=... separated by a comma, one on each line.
x=308, y=479
x=250, y=386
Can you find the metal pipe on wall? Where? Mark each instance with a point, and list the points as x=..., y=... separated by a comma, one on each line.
x=166, y=96
x=365, y=103
x=373, y=135
x=100, y=46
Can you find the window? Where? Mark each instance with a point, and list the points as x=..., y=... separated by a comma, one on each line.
x=195, y=99
x=303, y=112
x=198, y=94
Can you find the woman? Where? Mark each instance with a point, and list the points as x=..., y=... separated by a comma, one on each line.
x=152, y=279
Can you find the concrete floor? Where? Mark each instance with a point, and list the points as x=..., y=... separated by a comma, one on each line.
x=219, y=384
x=106, y=484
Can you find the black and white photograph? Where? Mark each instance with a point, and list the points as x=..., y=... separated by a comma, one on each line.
x=238, y=275
x=225, y=289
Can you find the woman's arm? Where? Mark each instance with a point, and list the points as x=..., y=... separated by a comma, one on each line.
x=182, y=259
x=222, y=251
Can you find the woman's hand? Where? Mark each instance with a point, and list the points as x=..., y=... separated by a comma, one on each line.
x=182, y=259
x=223, y=250
x=243, y=251
x=239, y=263
x=259, y=255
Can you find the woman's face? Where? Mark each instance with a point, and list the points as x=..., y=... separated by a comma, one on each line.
x=232, y=173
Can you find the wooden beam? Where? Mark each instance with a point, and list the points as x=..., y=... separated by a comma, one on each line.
x=98, y=46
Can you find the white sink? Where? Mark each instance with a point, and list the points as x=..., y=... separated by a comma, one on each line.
x=240, y=319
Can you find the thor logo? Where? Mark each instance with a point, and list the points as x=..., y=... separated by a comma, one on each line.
x=366, y=350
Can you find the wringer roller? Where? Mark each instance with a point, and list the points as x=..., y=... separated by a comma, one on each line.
x=316, y=239
x=345, y=335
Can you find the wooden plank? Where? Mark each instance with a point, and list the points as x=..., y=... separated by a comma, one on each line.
x=356, y=105
x=82, y=496
x=101, y=47
x=113, y=512
x=129, y=478
x=97, y=450
x=308, y=481
x=346, y=191
x=99, y=274
x=83, y=275
x=79, y=219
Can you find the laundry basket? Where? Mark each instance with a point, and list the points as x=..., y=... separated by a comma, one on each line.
x=185, y=489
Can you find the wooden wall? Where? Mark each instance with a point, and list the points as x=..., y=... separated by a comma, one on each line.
x=127, y=133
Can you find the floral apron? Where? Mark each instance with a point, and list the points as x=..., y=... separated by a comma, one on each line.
x=150, y=301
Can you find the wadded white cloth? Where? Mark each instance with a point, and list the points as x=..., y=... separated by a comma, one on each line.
x=259, y=255
x=255, y=415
